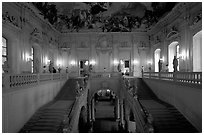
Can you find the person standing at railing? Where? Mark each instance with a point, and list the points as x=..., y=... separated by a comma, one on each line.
x=160, y=65
x=175, y=64
x=51, y=67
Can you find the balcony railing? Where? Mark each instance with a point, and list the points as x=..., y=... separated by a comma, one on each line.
x=144, y=119
x=104, y=74
x=20, y=80
x=185, y=77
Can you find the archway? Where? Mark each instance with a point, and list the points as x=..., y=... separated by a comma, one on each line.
x=106, y=108
x=197, y=52
x=156, y=59
x=173, y=51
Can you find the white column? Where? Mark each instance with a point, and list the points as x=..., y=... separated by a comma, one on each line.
x=121, y=113
x=90, y=112
x=93, y=109
x=117, y=109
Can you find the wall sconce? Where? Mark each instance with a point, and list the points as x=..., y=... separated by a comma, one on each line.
x=47, y=61
x=86, y=63
x=28, y=57
x=72, y=62
x=182, y=55
x=58, y=62
x=162, y=59
x=135, y=62
x=93, y=62
x=149, y=62
x=115, y=62
x=121, y=62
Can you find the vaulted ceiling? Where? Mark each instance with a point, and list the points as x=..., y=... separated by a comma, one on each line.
x=103, y=16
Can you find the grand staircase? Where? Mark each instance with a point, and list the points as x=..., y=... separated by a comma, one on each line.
x=49, y=118
x=167, y=119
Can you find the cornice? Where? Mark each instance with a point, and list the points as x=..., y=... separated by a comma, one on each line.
x=178, y=10
x=36, y=12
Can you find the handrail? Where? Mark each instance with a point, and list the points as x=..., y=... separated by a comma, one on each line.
x=104, y=74
x=144, y=119
x=21, y=80
x=184, y=77
x=68, y=126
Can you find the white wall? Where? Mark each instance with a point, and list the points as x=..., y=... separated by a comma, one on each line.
x=187, y=99
x=18, y=105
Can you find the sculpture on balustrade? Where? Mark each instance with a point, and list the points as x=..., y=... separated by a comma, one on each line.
x=160, y=65
x=175, y=64
x=50, y=67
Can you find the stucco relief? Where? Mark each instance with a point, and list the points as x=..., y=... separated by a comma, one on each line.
x=11, y=19
x=36, y=36
x=82, y=44
x=104, y=44
x=173, y=33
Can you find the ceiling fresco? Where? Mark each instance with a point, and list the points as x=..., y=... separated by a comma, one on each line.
x=103, y=16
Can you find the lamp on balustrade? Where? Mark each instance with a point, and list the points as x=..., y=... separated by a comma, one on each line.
x=73, y=63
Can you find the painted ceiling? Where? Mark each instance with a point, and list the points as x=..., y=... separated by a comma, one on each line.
x=103, y=16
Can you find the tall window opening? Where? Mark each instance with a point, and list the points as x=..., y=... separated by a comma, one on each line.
x=32, y=61
x=4, y=54
x=173, y=51
x=197, y=52
x=156, y=59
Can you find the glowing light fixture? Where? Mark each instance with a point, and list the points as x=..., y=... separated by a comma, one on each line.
x=115, y=62
x=86, y=63
x=47, y=61
x=182, y=55
x=149, y=62
x=28, y=57
x=135, y=62
x=72, y=62
x=121, y=62
x=93, y=62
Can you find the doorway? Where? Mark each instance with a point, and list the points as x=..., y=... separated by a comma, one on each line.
x=156, y=59
x=173, y=51
x=197, y=52
x=83, y=67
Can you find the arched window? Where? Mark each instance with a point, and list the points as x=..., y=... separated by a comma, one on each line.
x=173, y=51
x=4, y=54
x=31, y=58
x=197, y=52
x=156, y=59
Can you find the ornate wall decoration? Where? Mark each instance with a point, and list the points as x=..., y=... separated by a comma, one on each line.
x=83, y=44
x=173, y=33
x=36, y=36
x=197, y=18
x=10, y=19
x=104, y=44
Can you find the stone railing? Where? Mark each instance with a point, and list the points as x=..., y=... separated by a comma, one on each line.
x=104, y=74
x=184, y=77
x=21, y=80
x=144, y=119
x=70, y=124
